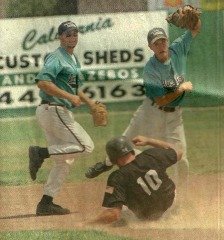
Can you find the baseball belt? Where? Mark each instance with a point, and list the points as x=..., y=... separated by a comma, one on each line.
x=165, y=108
x=51, y=104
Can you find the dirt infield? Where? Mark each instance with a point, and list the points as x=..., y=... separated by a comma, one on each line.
x=201, y=217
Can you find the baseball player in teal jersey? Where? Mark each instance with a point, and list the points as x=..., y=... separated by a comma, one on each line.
x=58, y=82
x=160, y=115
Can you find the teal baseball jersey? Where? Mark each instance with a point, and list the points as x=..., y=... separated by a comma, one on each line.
x=62, y=69
x=162, y=78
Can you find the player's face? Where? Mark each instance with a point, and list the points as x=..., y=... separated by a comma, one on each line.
x=69, y=39
x=160, y=48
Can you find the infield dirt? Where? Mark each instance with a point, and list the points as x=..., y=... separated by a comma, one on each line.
x=201, y=217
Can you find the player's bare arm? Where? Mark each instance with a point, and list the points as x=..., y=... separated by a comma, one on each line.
x=84, y=98
x=197, y=29
x=51, y=89
x=107, y=216
x=184, y=87
x=144, y=141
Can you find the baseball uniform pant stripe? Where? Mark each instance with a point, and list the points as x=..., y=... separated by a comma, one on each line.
x=66, y=140
x=70, y=130
x=64, y=135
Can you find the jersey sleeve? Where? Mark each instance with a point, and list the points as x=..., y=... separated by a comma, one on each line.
x=164, y=157
x=182, y=44
x=79, y=75
x=152, y=83
x=50, y=69
x=115, y=193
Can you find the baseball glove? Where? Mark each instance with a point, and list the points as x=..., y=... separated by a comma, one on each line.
x=99, y=114
x=185, y=17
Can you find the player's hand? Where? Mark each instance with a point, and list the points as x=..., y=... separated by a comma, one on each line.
x=75, y=100
x=197, y=28
x=140, y=141
x=186, y=86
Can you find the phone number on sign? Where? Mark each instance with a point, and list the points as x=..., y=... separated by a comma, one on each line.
x=28, y=96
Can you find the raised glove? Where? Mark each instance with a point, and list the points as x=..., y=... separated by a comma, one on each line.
x=99, y=114
x=185, y=17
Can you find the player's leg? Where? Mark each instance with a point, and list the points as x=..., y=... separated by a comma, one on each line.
x=175, y=134
x=66, y=139
x=64, y=135
x=149, y=122
x=58, y=123
x=37, y=154
x=73, y=138
x=55, y=180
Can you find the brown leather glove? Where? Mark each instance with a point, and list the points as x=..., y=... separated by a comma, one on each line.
x=99, y=114
x=185, y=17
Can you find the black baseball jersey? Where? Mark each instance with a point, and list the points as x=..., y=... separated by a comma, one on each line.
x=143, y=185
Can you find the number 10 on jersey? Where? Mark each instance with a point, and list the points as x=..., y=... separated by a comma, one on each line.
x=152, y=179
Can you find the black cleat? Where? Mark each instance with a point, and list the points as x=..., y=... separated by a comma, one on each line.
x=35, y=161
x=45, y=209
x=97, y=169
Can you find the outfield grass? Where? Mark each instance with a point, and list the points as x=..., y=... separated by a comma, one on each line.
x=203, y=126
x=59, y=235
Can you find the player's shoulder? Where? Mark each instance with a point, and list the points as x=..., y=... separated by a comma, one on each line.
x=151, y=65
x=117, y=176
x=154, y=155
x=151, y=61
x=158, y=151
x=53, y=56
x=58, y=53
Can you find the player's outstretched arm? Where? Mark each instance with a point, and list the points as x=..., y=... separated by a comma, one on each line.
x=197, y=29
x=144, y=141
x=107, y=216
x=84, y=98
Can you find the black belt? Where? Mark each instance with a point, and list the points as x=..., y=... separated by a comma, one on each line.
x=165, y=108
x=51, y=104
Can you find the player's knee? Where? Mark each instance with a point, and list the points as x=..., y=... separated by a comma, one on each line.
x=183, y=166
x=89, y=146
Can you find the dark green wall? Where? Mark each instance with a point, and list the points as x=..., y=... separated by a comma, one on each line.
x=205, y=61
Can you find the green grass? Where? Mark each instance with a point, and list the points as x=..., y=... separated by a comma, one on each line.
x=204, y=133
x=204, y=129
x=59, y=235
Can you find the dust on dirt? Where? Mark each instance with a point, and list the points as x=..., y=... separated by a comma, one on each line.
x=200, y=217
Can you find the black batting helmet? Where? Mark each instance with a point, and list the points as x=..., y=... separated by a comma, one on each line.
x=118, y=147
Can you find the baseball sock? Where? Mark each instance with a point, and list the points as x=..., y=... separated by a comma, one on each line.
x=46, y=199
x=44, y=153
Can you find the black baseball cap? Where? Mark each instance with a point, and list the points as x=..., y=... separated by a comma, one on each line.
x=65, y=26
x=155, y=34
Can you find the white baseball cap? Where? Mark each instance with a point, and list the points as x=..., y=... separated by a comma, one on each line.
x=155, y=34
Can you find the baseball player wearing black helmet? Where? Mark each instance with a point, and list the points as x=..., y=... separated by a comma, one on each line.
x=141, y=182
x=160, y=114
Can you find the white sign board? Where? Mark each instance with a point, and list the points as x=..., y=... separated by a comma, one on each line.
x=112, y=51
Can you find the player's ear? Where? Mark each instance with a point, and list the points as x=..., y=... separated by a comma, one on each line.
x=150, y=46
